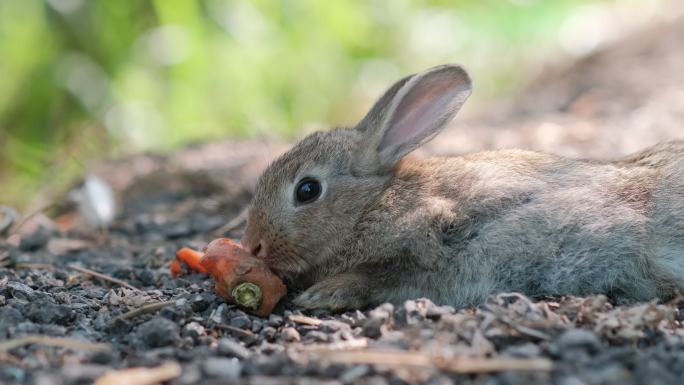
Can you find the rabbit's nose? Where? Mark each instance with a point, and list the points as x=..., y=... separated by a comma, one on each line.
x=256, y=247
x=260, y=250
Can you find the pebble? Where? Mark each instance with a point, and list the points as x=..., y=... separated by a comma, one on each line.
x=225, y=368
x=177, y=230
x=275, y=320
x=199, y=303
x=44, y=312
x=9, y=317
x=371, y=326
x=193, y=330
x=525, y=350
x=331, y=326
x=354, y=373
x=18, y=290
x=383, y=312
x=290, y=334
x=158, y=332
x=241, y=321
x=257, y=325
x=269, y=333
x=34, y=241
x=435, y=312
x=53, y=330
x=316, y=336
x=576, y=339
x=218, y=313
x=231, y=348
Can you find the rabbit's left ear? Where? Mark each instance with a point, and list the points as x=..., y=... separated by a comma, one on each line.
x=412, y=112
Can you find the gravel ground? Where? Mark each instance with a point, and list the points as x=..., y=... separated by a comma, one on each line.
x=510, y=340
x=67, y=290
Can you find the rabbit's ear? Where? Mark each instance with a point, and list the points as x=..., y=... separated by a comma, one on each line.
x=410, y=113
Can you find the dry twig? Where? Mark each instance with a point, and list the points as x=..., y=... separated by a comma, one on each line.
x=46, y=266
x=243, y=332
x=421, y=360
x=69, y=343
x=150, y=308
x=103, y=276
x=345, y=345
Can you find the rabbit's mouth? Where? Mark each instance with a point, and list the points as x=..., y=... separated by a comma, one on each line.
x=291, y=271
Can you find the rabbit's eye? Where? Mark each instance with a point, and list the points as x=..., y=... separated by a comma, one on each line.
x=307, y=190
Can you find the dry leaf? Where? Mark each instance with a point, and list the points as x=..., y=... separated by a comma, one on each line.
x=129, y=298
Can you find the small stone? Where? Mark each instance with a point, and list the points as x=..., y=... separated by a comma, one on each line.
x=45, y=312
x=275, y=320
x=316, y=336
x=191, y=375
x=526, y=350
x=290, y=334
x=103, y=357
x=12, y=373
x=158, y=332
x=435, y=312
x=53, y=330
x=26, y=327
x=225, y=368
x=354, y=373
x=199, y=303
x=177, y=230
x=371, y=326
x=82, y=373
x=217, y=314
x=241, y=321
x=256, y=325
x=146, y=277
x=439, y=379
x=376, y=380
x=193, y=330
x=18, y=290
x=34, y=241
x=383, y=312
x=269, y=332
x=576, y=339
x=9, y=317
x=572, y=380
x=331, y=326
x=231, y=348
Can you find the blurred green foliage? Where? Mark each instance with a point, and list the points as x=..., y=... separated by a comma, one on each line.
x=91, y=78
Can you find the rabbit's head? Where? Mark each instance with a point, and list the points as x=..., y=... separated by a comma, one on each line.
x=307, y=202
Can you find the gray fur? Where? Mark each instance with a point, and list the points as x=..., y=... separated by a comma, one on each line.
x=459, y=229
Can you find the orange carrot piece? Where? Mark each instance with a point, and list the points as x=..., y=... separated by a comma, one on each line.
x=240, y=277
x=191, y=258
x=234, y=269
x=176, y=268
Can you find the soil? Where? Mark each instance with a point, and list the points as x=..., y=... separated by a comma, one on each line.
x=66, y=288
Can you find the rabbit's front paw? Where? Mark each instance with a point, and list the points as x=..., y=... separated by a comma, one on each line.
x=335, y=294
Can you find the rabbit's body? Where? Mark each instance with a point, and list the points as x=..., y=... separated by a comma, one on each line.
x=459, y=229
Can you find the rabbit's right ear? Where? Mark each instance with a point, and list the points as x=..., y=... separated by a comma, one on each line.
x=408, y=115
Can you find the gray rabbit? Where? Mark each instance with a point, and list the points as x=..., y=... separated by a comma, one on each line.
x=347, y=218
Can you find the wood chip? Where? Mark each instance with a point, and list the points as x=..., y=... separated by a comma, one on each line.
x=304, y=320
x=461, y=365
x=141, y=376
